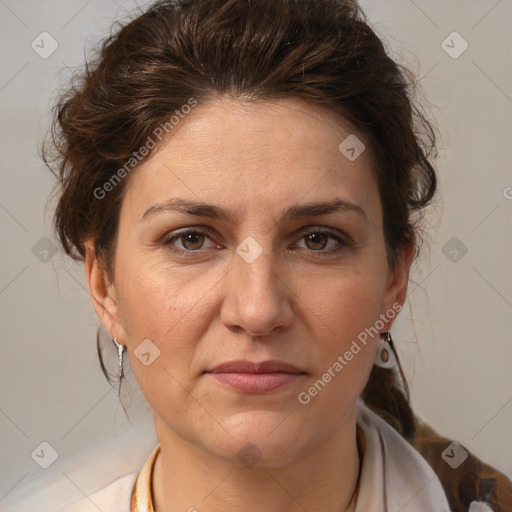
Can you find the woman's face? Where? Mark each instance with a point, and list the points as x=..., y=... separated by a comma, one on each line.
x=258, y=276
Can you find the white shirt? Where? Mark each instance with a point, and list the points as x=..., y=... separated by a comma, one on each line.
x=394, y=478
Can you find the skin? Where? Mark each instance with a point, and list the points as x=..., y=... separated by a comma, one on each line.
x=256, y=160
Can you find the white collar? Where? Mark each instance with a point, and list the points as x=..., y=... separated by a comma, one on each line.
x=394, y=476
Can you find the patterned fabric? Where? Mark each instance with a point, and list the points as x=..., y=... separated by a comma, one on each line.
x=472, y=481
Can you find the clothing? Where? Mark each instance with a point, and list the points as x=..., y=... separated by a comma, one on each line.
x=472, y=482
x=394, y=478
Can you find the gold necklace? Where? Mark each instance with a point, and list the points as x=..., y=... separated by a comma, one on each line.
x=360, y=450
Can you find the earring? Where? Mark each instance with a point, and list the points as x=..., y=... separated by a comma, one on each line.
x=385, y=355
x=120, y=350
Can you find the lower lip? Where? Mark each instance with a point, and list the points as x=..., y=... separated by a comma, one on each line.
x=256, y=382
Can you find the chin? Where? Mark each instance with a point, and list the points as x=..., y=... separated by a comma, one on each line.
x=258, y=438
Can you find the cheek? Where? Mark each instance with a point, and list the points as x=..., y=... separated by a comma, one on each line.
x=342, y=315
x=345, y=343
x=169, y=309
x=160, y=303
x=172, y=312
x=343, y=303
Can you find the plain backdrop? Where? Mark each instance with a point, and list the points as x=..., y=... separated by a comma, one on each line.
x=453, y=336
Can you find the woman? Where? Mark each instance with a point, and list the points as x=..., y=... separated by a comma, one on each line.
x=245, y=183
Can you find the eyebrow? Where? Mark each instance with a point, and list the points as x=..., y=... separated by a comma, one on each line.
x=293, y=213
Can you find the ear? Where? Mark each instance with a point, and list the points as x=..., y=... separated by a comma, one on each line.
x=103, y=293
x=396, y=290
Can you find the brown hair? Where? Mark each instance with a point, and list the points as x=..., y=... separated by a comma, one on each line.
x=321, y=51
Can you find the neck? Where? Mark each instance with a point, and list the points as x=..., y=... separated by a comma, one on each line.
x=187, y=477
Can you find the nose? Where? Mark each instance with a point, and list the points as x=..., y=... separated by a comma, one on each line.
x=258, y=300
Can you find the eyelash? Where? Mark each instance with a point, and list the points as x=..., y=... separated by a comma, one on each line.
x=343, y=244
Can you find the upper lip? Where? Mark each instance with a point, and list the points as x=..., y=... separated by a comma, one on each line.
x=244, y=366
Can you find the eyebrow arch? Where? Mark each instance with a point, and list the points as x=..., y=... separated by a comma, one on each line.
x=293, y=213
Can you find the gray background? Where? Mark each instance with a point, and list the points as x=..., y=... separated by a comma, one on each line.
x=453, y=336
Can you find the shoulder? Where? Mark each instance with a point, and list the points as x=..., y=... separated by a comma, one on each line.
x=116, y=497
x=423, y=463
x=98, y=478
x=61, y=494
x=464, y=476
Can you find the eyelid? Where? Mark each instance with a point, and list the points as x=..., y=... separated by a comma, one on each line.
x=343, y=235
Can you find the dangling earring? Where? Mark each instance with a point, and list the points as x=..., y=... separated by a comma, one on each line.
x=385, y=355
x=120, y=350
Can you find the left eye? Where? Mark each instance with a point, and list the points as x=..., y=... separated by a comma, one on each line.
x=317, y=240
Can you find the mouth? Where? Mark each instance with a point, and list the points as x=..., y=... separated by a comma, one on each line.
x=244, y=366
x=256, y=377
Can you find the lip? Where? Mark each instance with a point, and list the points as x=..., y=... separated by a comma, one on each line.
x=244, y=366
x=256, y=377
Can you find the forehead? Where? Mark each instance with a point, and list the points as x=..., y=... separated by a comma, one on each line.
x=259, y=155
x=244, y=129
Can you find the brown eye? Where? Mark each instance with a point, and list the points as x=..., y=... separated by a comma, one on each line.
x=316, y=241
x=188, y=242
x=192, y=241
